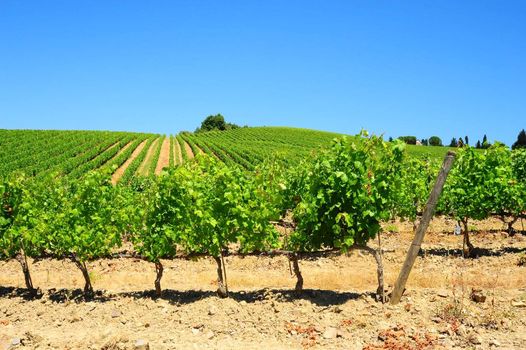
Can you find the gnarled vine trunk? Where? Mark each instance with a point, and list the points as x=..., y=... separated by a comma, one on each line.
x=22, y=259
x=159, y=271
x=509, y=224
x=467, y=247
x=293, y=258
x=377, y=254
x=222, y=289
x=88, y=288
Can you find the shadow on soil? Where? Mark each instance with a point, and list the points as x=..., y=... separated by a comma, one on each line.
x=12, y=292
x=475, y=253
x=317, y=297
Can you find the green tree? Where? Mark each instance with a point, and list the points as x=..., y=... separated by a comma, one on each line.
x=435, y=141
x=410, y=140
x=213, y=122
x=453, y=142
x=485, y=143
x=521, y=140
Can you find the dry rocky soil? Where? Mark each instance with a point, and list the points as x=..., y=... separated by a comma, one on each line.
x=336, y=310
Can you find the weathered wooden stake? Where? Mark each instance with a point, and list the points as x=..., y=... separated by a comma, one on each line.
x=422, y=228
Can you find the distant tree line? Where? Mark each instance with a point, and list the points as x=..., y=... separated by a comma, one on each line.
x=412, y=140
x=461, y=141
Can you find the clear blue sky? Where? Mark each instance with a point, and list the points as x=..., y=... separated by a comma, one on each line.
x=450, y=68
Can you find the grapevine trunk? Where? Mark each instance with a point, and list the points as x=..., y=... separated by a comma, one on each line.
x=510, y=224
x=159, y=270
x=22, y=259
x=380, y=291
x=467, y=247
x=222, y=289
x=88, y=288
x=296, y=268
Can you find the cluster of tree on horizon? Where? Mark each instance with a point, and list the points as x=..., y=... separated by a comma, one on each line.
x=216, y=123
x=460, y=142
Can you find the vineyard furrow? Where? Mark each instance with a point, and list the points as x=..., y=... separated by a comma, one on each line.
x=121, y=151
x=155, y=156
x=144, y=167
x=164, y=158
x=177, y=153
x=188, y=150
x=120, y=171
x=182, y=148
x=171, y=155
x=84, y=157
x=96, y=161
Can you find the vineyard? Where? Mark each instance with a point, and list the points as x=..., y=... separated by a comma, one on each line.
x=248, y=192
x=74, y=153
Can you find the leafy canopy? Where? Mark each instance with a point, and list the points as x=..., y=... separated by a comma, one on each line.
x=346, y=192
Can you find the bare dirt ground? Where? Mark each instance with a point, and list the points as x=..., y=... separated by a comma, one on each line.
x=144, y=167
x=164, y=157
x=118, y=174
x=335, y=311
x=189, y=151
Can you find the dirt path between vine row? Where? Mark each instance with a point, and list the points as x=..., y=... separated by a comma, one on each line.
x=118, y=153
x=189, y=151
x=199, y=150
x=164, y=157
x=120, y=171
x=122, y=150
x=335, y=311
x=178, y=153
x=144, y=167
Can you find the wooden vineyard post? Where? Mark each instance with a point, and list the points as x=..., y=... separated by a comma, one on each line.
x=422, y=228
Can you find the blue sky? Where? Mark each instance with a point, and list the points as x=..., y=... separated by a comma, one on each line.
x=446, y=68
